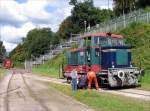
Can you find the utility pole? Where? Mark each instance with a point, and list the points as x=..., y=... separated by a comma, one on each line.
x=85, y=26
x=108, y=4
x=108, y=17
x=124, y=21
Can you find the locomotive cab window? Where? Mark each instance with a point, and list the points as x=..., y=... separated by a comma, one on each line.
x=96, y=40
x=101, y=40
x=82, y=43
x=97, y=52
x=116, y=41
x=88, y=55
x=87, y=41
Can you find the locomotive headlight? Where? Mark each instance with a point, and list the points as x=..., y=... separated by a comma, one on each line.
x=130, y=64
x=137, y=72
x=113, y=66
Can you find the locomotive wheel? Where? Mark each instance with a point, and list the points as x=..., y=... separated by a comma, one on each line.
x=119, y=81
x=68, y=80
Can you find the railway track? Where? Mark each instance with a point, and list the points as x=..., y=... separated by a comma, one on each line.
x=32, y=94
x=28, y=84
x=7, y=92
x=9, y=89
x=134, y=93
x=146, y=95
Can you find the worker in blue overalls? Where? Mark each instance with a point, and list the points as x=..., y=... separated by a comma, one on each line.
x=74, y=79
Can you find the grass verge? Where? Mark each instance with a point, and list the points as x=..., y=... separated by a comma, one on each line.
x=145, y=83
x=2, y=73
x=104, y=101
x=51, y=67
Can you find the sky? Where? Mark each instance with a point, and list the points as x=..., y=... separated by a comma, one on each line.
x=18, y=17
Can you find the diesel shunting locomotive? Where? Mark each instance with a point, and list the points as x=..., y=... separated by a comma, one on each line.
x=107, y=55
x=7, y=63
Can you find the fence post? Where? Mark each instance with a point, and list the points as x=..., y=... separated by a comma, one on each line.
x=124, y=21
x=25, y=67
x=115, y=25
x=135, y=18
x=43, y=59
x=147, y=16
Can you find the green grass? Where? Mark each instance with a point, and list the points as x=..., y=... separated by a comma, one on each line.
x=138, y=35
x=18, y=64
x=2, y=73
x=104, y=101
x=145, y=83
x=50, y=68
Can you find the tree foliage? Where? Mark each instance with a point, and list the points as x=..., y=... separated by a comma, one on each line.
x=126, y=6
x=37, y=42
x=143, y=3
x=81, y=12
x=18, y=54
x=73, y=2
x=138, y=35
x=2, y=51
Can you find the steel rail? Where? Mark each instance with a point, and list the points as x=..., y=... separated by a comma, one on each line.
x=33, y=95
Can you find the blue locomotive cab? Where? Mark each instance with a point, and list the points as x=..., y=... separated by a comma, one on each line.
x=116, y=57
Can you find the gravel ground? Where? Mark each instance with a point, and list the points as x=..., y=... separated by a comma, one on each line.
x=27, y=94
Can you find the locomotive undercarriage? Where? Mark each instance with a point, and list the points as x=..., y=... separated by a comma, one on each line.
x=119, y=77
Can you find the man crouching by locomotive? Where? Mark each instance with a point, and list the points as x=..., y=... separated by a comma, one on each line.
x=91, y=75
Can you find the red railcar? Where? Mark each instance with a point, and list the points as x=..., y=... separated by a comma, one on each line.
x=8, y=63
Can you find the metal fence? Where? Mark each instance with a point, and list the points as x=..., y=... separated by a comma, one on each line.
x=121, y=22
x=110, y=26
x=53, y=51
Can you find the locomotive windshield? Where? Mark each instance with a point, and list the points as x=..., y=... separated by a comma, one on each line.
x=109, y=41
x=85, y=42
x=101, y=40
x=117, y=41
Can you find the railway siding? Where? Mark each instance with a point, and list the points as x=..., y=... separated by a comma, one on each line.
x=24, y=94
x=132, y=93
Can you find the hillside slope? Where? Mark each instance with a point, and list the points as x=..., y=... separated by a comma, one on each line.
x=138, y=35
x=50, y=68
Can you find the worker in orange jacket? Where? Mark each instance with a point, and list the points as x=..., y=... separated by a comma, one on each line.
x=91, y=75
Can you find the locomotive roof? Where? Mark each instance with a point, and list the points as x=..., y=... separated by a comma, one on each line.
x=102, y=34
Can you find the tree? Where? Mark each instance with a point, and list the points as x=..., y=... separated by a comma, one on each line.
x=73, y=2
x=142, y=3
x=2, y=51
x=126, y=6
x=123, y=6
x=38, y=42
x=67, y=27
x=18, y=54
x=83, y=11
